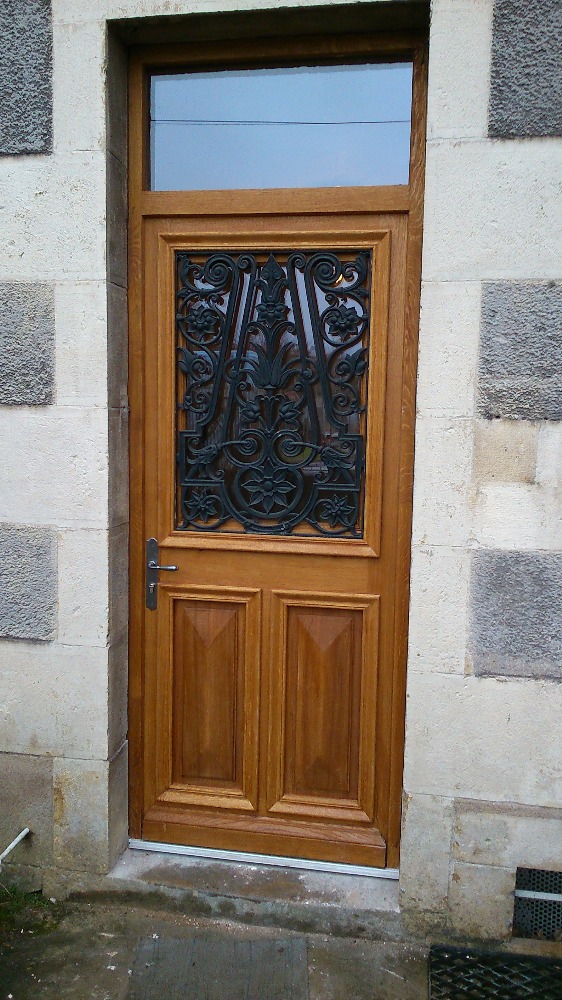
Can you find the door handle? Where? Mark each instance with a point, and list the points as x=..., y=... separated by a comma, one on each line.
x=152, y=569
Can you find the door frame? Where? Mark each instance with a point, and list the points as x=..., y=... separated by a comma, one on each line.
x=142, y=202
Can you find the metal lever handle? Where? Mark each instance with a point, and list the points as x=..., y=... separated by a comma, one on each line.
x=152, y=569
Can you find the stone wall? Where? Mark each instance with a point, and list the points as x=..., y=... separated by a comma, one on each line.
x=483, y=781
x=483, y=771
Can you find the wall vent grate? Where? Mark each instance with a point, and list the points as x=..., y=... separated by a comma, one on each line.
x=538, y=904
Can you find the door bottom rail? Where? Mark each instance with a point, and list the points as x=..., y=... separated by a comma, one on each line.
x=303, y=864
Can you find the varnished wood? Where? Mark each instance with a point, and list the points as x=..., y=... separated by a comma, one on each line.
x=311, y=201
x=279, y=799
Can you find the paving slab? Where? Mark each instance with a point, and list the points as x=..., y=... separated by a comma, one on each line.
x=98, y=950
x=204, y=967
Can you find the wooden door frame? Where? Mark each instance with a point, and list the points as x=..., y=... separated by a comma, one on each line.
x=142, y=202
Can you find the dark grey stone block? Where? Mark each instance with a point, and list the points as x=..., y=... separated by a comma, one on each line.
x=27, y=344
x=26, y=77
x=28, y=582
x=26, y=799
x=526, y=80
x=516, y=614
x=520, y=369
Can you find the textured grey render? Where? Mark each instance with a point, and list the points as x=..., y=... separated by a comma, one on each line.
x=516, y=614
x=28, y=582
x=526, y=81
x=520, y=367
x=27, y=344
x=26, y=100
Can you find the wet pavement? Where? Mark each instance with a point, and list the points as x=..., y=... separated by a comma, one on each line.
x=97, y=950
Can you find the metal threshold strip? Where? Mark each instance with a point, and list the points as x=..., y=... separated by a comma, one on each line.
x=263, y=859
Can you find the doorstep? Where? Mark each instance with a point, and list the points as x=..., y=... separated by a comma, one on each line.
x=311, y=902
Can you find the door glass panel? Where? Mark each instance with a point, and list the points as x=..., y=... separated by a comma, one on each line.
x=298, y=127
x=272, y=353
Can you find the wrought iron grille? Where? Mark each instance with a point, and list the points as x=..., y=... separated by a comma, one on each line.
x=455, y=973
x=272, y=387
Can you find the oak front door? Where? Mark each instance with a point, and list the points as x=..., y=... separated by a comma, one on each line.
x=268, y=357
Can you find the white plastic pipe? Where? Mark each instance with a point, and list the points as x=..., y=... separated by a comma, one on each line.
x=14, y=843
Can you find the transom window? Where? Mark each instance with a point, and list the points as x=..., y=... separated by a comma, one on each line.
x=293, y=127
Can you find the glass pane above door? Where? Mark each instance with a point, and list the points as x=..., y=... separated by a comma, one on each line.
x=296, y=127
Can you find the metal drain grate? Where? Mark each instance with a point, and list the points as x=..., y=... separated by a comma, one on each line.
x=458, y=974
x=538, y=904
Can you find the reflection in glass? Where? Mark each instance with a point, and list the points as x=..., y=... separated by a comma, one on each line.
x=307, y=126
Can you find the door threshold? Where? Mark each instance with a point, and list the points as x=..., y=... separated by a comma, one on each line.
x=264, y=859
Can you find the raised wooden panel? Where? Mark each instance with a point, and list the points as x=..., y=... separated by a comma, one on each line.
x=322, y=700
x=208, y=692
x=215, y=686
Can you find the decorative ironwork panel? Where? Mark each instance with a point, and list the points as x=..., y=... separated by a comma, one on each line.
x=272, y=389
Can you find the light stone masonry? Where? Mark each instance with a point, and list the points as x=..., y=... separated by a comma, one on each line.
x=483, y=737
x=483, y=774
x=507, y=835
x=53, y=699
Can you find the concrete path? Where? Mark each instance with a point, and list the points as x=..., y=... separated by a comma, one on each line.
x=98, y=951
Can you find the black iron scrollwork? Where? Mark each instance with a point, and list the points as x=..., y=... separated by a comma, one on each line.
x=272, y=359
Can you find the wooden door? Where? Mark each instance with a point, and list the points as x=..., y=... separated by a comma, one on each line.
x=271, y=417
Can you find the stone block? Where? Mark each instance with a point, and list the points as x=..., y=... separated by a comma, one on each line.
x=27, y=343
x=505, y=450
x=459, y=75
x=517, y=516
x=25, y=878
x=26, y=106
x=516, y=614
x=481, y=901
x=116, y=221
x=496, y=736
x=54, y=699
x=442, y=481
x=520, y=370
x=80, y=834
x=118, y=693
x=116, y=97
x=28, y=582
x=549, y=455
x=507, y=835
x=81, y=322
x=26, y=799
x=526, y=78
x=118, y=467
x=83, y=587
x=117, y=346
x=118, y=581
x=425, y=852
x=58, y=473
x=448, y=348
x=491, y=210
x=118, y=805
x=79, y=112
x=438, y=608
x=90, y=814
x=53, y=217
